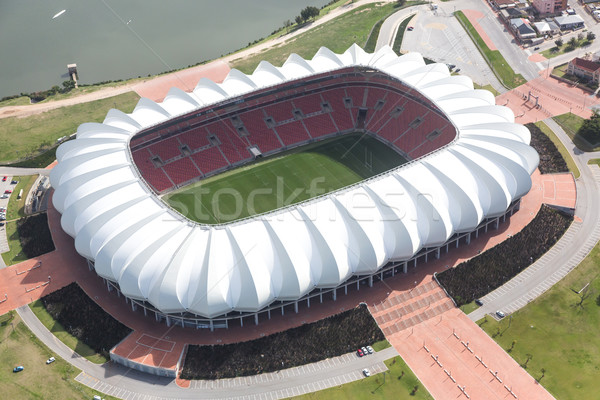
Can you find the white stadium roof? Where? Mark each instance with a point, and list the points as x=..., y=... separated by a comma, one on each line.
x=156, y=255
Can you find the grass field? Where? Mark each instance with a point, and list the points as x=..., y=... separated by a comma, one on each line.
x=18, y=346
x=15, y=254
x=494, y=58
x=594, y=161
x=59, y=331
x=571, y=124
x=284, y=179
x=338, y=34
x=26, y=137
x=559, y=333
x=398, y=384
x=16, y=207
x=561, y=148
x=397, y=45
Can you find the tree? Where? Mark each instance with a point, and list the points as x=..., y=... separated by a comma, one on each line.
x=543, y=370
x=512, y=346
x=586, y=292
x=299, y=20
x=591, y=36
x=559, y=42
x=580, y=36
x=309, y=12
x=529, y=357
x=287, y=23
x=590, y=129
x=572, y=42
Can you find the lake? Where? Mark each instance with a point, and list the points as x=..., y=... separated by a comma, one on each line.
x=111, y=40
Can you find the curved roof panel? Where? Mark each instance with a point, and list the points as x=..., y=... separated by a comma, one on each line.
x=156, y=255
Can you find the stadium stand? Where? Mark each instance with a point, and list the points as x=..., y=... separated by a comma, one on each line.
x=219, y=137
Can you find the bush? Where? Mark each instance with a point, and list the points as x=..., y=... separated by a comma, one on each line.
x=480, y=275
x=330, y=337
x=84, y=319
x=34, y=235
x=551, y=161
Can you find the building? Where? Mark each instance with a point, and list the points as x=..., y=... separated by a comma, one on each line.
x=522, y=29
x=569, y=22
x=547, y=7
x=547, y=27
x=584, y=69
x=470, y=166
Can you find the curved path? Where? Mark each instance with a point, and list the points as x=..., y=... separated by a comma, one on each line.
x=567, y=253
x=119, y=381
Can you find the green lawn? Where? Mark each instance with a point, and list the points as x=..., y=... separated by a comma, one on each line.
x=571, y=124
x=27, y=137
x=494, y=58
x=487, y=87
x=18, y=346
x=284, y=179
x=469, y=307
x=560, y=70
x=15, y=254
x=561, y=148
x=565, y=48
x=381, y=345
x=595, y=161
x=398, y=384
x=16, y=207
x=397, y=46
x=560, y=334
x=338, y=34
x=59, y=331
x=18, y=101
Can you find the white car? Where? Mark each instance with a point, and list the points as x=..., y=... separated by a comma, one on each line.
x=50, y=360
x=370, y=350
x=366, y=372
x=500, y=314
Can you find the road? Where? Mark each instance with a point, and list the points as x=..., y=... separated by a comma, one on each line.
x=119, y=381
x=567, y=253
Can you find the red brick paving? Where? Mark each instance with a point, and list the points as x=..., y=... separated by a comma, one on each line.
x=157, y=88
x=536, y=57
x=65, y=266
x=555, y=98
x=436, y=335
x=559, y=189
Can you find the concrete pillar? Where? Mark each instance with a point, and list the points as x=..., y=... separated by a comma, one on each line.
x=416, y=262
x=437, y=253
x=108, y=286
x=212, y=326
x=497, y=223
x=269, y=313
x=308, y=302
x=358, y=284
x=456, y=243
x=393, y=271
x=447, y=247
x=335, y=294
x=168, y=320
x=282, y=312
x=145, y=312
x=156, y=317
x=256, y=319
x=469, y=238
x=371, y=281
x=345, y=289
x=405, y=267
x=242, y=321
x=321, y=296
x=133, y=307
x=381, y=276
x=486, y=228
x=426, y=256
x=296, y=307
x=227, y=324
x=476, y=233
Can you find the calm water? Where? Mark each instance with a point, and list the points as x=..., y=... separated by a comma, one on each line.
x=110, y=39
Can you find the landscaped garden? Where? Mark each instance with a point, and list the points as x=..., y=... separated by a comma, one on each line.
x=573, y=125
x=80, y=321
x=551, y=160
x=540, y=128
x=555, y=337
x=38, y=380
x=481, y=274
x=330, y=337
x=28, y=237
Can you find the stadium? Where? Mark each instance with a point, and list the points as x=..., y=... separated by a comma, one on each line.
x=193, y=210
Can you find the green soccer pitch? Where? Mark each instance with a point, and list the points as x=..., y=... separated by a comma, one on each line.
x=284, y=179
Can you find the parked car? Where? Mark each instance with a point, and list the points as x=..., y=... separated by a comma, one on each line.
x=4, y=179
x=1, y=223
x=410, y=28
x=479, y=302
x=18, y=368
x=370, y=350
x=536, y=48
x=365, y=351
x=13, y=182
x=8, y=191
x=366, y=372
x=4, y=196
x=50, y=360
x=500, y=314
x=360, y=353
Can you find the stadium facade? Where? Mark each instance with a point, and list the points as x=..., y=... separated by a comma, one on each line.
x=470, y=164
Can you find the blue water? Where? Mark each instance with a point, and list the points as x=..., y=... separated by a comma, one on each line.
x=99, y=37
